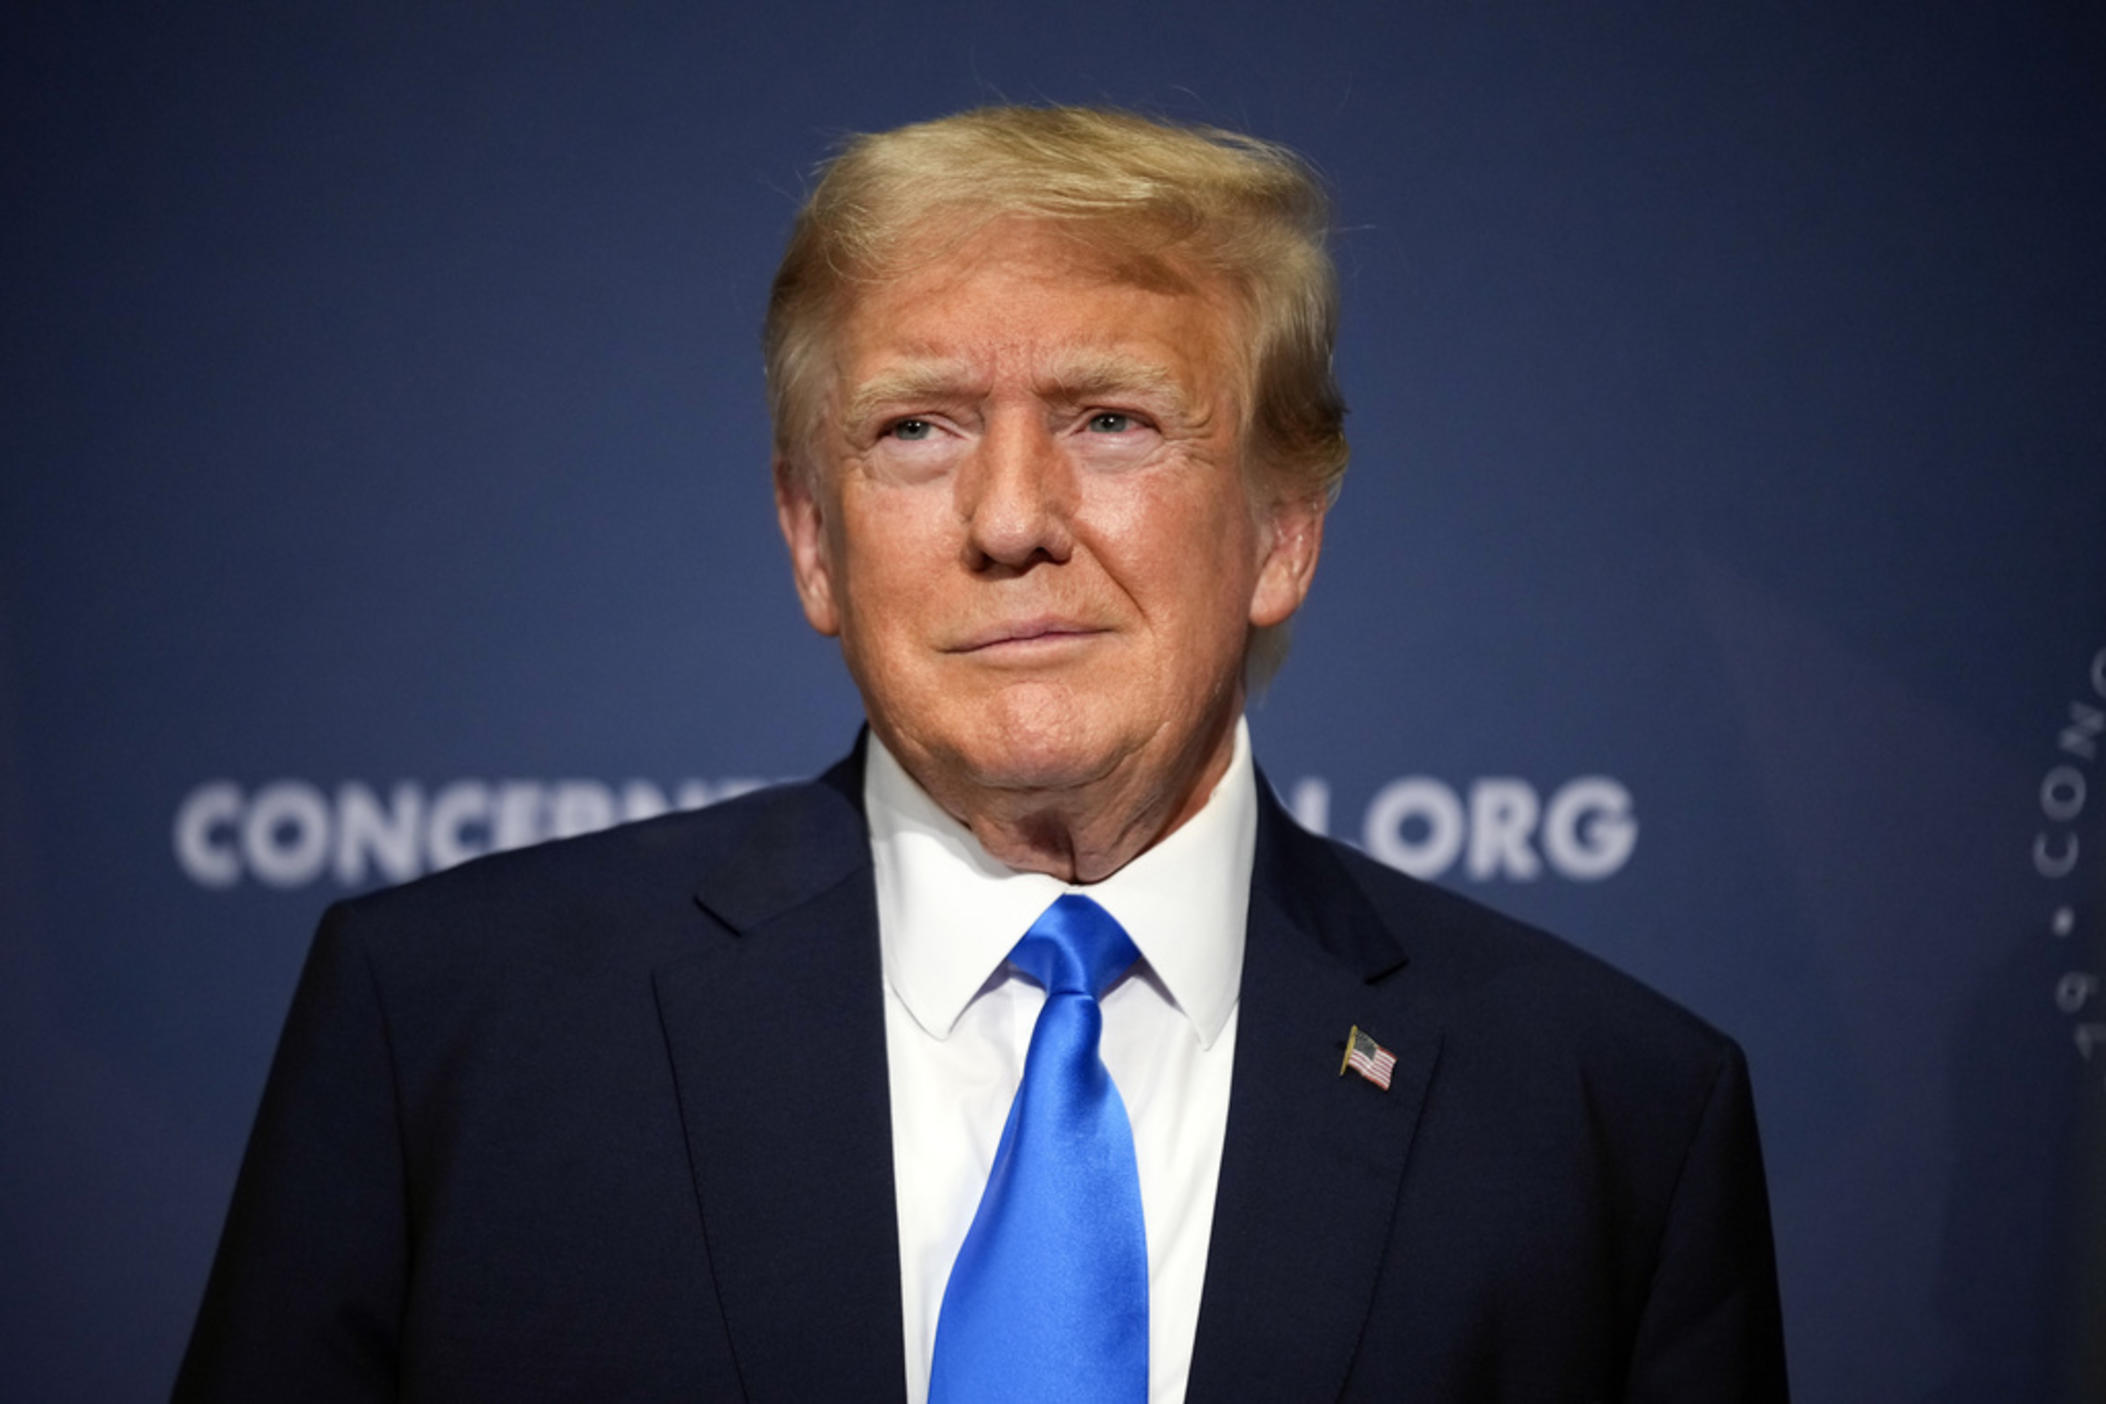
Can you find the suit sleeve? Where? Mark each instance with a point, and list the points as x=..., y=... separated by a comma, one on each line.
x=306, y=1294
x=1711, y=1331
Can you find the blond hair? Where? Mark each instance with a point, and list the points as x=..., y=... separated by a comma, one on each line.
x=1175, y=197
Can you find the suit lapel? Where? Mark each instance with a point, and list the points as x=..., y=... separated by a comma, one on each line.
x=784, y=1096
x=776, y=1033
x=1312, y=1161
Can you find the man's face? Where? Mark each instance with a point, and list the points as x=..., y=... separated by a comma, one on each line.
x=1032, y=526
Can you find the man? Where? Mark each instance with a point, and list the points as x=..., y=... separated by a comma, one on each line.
x=771, y=1100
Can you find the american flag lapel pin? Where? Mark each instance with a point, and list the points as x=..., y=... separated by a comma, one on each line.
x=1368, y=1058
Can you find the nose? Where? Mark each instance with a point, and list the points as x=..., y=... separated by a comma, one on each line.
x=1016, y=497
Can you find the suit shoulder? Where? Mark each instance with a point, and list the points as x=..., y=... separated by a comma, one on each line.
x=632, y=878
x=1523, y=976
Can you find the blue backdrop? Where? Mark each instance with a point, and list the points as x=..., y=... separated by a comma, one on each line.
x=1720, y=581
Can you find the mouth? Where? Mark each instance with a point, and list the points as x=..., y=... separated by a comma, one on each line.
x=1026, y=636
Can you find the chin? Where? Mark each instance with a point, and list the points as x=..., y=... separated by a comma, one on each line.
x=1027, y=762
x=1038, y=739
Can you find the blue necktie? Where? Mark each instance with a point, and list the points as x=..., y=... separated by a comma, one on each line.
x=1048, y=1300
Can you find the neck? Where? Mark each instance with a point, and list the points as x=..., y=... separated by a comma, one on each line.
x=1084, y=833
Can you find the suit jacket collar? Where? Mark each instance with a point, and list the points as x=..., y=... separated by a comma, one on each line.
x=1312, y=1163
x=775, y=1028
x=776, y=1033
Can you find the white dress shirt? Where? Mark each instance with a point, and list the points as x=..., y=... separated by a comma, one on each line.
x=958, y=1023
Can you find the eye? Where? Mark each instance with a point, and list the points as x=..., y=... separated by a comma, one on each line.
x=910, y=429
x=1111, y=422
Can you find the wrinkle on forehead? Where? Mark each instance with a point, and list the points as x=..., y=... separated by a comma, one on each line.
x=888, y=363
x=1158, y=255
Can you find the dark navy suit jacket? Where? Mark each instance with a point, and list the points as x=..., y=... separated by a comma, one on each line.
x=607, y=1120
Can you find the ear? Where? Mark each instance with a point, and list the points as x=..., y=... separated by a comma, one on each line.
x=1295, y=539
x=803, y=518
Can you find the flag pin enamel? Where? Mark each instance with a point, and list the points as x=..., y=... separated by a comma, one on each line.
x=1368, y=1058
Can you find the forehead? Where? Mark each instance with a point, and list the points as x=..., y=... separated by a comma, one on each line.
x=1022, y=295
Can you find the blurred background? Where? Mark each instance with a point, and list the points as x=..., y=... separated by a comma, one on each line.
x=1720, y=580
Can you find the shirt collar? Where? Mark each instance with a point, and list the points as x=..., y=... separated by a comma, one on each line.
x=948, y=913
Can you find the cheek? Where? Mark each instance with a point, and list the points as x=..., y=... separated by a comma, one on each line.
x=1219, y=536
x=894, y=545
x=1191, y=510
x=1191, y=561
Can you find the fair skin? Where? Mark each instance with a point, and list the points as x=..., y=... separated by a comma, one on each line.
x=1030, y=520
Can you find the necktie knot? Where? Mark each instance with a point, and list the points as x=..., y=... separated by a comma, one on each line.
x=1075, y=947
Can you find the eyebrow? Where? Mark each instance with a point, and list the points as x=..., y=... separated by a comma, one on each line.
x=1074, y=378
x=1090, y=375
x=917, y=381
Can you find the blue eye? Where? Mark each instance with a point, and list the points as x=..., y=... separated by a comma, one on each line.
x=1110, y=422
x=911, y=429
